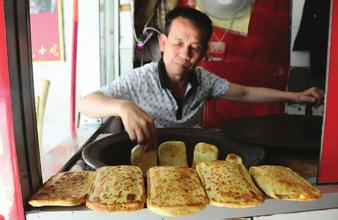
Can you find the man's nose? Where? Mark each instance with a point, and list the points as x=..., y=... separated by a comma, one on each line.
x=185, y=53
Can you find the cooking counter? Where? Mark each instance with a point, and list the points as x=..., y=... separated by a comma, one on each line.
x=327, y=205
x=66, y=154
x=328, y=201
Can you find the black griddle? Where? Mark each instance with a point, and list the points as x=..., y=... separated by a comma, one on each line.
x=115, y=149
x=280, y=131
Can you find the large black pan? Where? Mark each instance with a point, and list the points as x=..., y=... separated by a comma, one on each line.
x=115, y=149
x=278, y=131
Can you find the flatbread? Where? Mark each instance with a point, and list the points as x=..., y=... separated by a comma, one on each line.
x=142, y=159
x=172, y=153
x=117, y=188
x=174, y=191
x=204, y=152
x=228, y=184
x=64, y=189
x=281, y=182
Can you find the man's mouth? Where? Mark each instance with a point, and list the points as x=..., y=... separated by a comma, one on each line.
x=184, y=64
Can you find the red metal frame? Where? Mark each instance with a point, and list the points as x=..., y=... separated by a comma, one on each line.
x=9, y=174
x=329, y=155
x=73, y=73
x=10, y=191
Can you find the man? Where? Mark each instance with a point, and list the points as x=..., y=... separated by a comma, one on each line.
x=171, y=92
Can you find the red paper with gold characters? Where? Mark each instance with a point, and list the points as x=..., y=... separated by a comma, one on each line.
x=46, y=30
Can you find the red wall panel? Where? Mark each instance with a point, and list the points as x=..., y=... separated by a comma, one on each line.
x=259, y=59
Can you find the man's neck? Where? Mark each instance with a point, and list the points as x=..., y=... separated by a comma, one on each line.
x=179, y=86
x=177, y=83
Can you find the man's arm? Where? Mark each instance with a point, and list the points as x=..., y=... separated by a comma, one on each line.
x=138, y=124
x=241, y=93
x=97, y=105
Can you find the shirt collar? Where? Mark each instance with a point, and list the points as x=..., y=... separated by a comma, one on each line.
x=163, y=76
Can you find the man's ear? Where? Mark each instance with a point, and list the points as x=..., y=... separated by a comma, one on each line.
x=162, y=40
x=204, y=57
x=204, y=53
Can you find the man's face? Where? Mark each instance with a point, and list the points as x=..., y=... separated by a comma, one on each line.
x=182, y=48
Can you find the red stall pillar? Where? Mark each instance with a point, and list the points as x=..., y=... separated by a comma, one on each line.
x=329, y=153
x=11, y=205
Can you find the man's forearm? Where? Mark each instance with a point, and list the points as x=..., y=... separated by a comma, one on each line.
x=241, y=93
x=97, y=105
x=263, y=95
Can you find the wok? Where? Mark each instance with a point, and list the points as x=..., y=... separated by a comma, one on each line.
x=278, y=131
x=115, y=149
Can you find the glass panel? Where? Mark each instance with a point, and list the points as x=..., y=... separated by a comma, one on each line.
x=50, y=24
x=54, y=34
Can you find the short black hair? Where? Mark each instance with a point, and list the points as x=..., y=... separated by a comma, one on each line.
x=198, y=18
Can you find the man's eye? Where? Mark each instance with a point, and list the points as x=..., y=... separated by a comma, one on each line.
x=196, y=48
x=178, y=44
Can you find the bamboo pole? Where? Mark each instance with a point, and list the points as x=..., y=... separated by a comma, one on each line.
x=41, y=106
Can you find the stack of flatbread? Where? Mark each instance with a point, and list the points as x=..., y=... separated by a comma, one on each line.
x=281, y=182
x=228, y=183
x=174, y=191
x=64, y=189
x=117, y=188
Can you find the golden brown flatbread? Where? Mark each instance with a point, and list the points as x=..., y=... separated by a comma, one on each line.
x=64, y=189
x=117, y=188
x=174, y=191
x=281, y=182
x=142, y=159
x=204, y=152
x=172, y=153
x=228, y=184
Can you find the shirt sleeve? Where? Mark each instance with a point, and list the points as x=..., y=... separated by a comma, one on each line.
x=216, y=85
x=121, y=88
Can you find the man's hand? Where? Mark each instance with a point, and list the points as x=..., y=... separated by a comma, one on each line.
x=138, y=124
x=312, y=95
